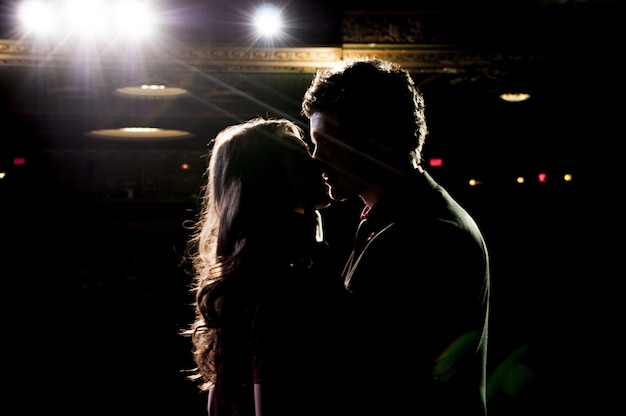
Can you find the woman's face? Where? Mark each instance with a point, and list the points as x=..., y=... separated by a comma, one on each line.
x=305, y=178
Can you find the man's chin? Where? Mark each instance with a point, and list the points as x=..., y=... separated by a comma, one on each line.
x=323, y=203
x=337, y=194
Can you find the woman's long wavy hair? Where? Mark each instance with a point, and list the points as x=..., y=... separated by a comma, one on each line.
x=246, y=189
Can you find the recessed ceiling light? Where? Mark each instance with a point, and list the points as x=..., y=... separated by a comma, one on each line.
x=151, y=91
x=515, y=97
x=140, y=134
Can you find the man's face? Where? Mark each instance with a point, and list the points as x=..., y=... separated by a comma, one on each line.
x=339, y=160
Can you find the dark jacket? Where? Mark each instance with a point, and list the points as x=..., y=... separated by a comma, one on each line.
x=418, y=307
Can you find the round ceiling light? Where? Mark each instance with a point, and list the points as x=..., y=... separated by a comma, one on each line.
x=140, y=134
x=151, y=91
x=515, y=97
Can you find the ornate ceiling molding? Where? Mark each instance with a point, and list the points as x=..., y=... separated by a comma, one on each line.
x=426, y=58
x=420, y=41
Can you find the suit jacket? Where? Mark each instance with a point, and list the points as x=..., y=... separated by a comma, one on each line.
x=418, y=307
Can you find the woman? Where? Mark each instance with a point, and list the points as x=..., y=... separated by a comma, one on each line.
x=260, y=282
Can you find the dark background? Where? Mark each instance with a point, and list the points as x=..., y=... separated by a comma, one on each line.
x=94, y=293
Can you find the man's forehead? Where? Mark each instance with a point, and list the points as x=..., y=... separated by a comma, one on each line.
x=324, y=122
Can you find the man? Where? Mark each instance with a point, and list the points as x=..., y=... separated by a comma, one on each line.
x=418, y=276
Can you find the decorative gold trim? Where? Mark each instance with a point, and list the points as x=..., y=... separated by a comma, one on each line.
x=448, y=58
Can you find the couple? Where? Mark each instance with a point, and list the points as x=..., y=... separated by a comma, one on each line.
x=401, y=327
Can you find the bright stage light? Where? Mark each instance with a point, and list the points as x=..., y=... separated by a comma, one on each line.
x=87, y=18
x=268, y=21
x=37, y=17
x=135, y=18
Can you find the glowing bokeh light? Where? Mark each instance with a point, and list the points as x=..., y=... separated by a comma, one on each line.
x=37, y=16
x=94, y=18
x=436, y=161
x=268, y=20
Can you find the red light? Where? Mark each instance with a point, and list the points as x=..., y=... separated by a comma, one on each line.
x=541, y=177
x=19, y=161
x=436, y=162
